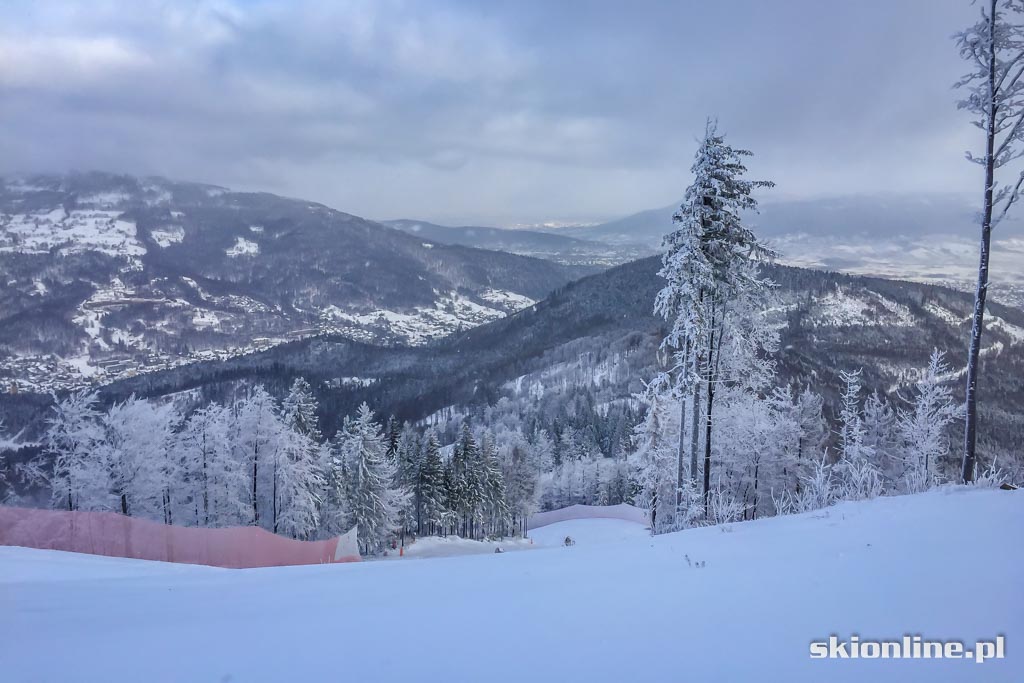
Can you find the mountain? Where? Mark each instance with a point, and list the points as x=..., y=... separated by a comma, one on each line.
x=582, y=355
x=924, y=237
x=547, y=245
x=106, y=276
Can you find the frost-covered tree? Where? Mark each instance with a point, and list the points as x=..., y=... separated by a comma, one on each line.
x=72, y=439
x=859, y=476
x=431, y=488
x=924, y=428
x=375, y=502
x=542, y=452
x=994, y=48
x=706, y=266
x=299, y=484
x=215, y=479
x=802, y=432
x=495, y=504
x=335, y=513
x=880, y=436
x=134, y=453
x=299, y=480
x=521, y=481
x=408, y=457
x=299, y=410
x=655, y=460
x=255, y=428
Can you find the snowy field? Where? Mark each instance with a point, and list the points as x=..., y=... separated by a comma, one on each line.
x=617, y=606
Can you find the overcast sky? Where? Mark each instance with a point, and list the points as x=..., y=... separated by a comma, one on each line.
x=487, y=112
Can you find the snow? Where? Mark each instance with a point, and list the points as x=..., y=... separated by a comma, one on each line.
x=76, y=231
x=450, y=312
x=606, y=609
x=243, y=247
x=842, y=309
x=167, y=236
x=587, y=532
x=508, y=300
x=1014, y=332
x=935, y=258
x=945, y=314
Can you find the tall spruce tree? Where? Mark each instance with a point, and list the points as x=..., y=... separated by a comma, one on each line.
x=432, y=488
x=376, y=502
x=706, y=268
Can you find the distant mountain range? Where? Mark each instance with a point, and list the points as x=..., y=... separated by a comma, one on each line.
x=930, y=238
x=105, y=276
x=548, y=245
x=591, y=345
x=869, y=216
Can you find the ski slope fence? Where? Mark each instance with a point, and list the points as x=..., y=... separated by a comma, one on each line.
x=621, y=511
x=115, y=535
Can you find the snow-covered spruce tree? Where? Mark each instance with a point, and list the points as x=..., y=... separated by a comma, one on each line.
x=335, y=512
x=72, y=438
x=994, y=48
x=924, y=428
x=299, y=484
x=300, y=408
x=859, y=477
x=705, y=268
x=299, y=481
x=495, y=505
x=468, y=482
x=375, y=503
x=408, y=457
x=431, y=488
x=521, y=480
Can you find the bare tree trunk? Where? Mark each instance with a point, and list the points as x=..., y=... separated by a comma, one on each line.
x=255, y=472
x=714, y=355
x=694, y=431
x=273, y=506
x=707, y=421
x=681, y=455
x=977, y=326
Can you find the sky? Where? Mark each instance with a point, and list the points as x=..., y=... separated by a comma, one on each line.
x=498, y=113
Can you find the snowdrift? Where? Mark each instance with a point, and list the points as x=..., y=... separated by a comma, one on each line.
x=629, y=513
x=114, y=535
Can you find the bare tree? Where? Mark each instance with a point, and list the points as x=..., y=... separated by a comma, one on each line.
x=994, y=47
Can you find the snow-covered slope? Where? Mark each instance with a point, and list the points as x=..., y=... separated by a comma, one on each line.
x=734, y=603
x=107, y=276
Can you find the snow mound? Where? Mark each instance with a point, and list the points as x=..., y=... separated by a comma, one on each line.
x=587, y=532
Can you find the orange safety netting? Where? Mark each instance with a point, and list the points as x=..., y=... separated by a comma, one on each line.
x=115, y=535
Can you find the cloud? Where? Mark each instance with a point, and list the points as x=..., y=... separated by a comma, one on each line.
x=458, y=111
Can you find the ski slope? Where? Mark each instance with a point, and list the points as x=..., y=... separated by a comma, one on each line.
x=617, y=606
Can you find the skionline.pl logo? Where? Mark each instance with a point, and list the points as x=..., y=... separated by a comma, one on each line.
x=908, y=647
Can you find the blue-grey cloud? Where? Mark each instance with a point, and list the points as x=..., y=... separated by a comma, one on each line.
x=486, y=112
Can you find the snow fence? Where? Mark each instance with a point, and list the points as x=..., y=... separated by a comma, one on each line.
x=621, y=511
x=115, y=535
